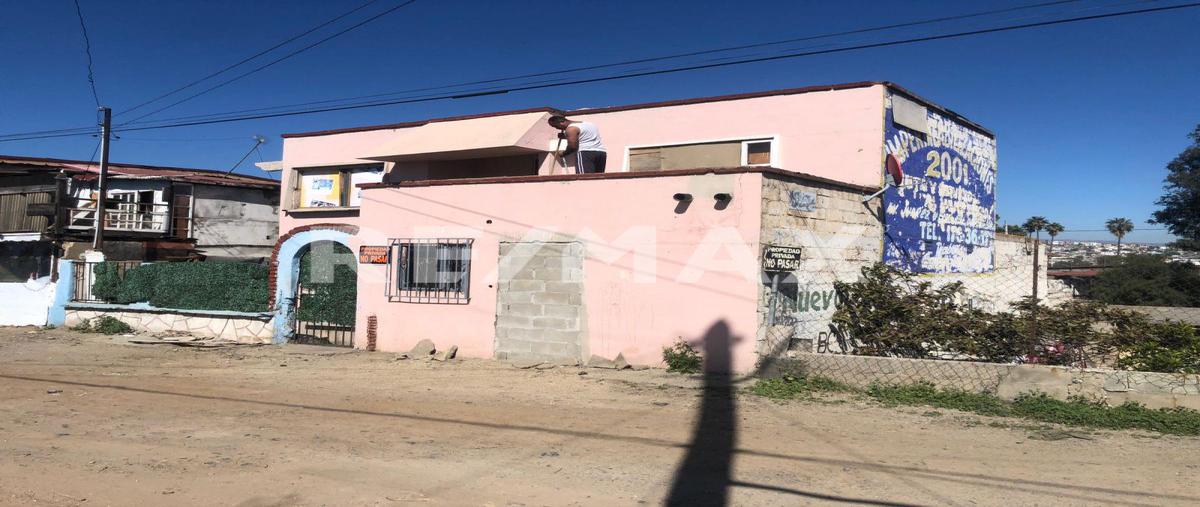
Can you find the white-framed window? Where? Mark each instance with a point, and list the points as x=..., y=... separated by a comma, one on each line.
x=429, y=270
x=747, y=151
x=758, y=152
x=330, y=187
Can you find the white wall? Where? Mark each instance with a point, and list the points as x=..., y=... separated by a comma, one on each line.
x=26, y=304
x=1010, y=279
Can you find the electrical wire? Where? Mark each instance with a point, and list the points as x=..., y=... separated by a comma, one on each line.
x=700, y=67
x=258, y=141
x=577, y=69
x=87, y=48
x=665, y=57
x=180, y=139
x=743, y=61
x=277, y=60
x=247, y=59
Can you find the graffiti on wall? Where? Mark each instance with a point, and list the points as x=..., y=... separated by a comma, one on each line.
x=942, y=218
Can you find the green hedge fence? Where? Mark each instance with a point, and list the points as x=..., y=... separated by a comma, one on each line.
x=228, y=286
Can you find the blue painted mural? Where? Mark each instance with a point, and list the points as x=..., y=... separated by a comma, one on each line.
x=942, y=218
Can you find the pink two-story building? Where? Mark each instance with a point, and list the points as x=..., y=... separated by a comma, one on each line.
x=721, y=221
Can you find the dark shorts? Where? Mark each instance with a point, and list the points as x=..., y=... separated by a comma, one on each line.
x=587, y=162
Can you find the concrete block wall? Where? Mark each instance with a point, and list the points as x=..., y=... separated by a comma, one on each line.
x=539, y=307
x=838, y=237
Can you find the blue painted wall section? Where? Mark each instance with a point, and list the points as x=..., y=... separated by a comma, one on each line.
x=942, y=218
x=57, y=316
x=289, y=269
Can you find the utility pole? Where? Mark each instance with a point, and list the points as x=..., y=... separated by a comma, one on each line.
x=1037, y=246
x=1033, y=312
x=102, y=182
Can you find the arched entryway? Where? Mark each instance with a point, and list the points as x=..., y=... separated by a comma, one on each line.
x=324, y=251
x=325, y=295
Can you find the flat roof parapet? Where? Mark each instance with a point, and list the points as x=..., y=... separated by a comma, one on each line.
x=766, y=170
x=646, y=105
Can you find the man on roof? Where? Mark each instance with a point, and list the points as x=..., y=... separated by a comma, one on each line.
x=583, y=142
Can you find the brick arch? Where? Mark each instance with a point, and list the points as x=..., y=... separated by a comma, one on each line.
x=272, y=276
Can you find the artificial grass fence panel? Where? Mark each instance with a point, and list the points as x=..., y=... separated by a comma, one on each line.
x=328, y=298
x=224, y=286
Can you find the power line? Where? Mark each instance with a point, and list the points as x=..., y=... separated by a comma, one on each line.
x=743, y=61
x=247, y=59
x=180, y=139
x=668, y=57
x=697, y=67
x=275, y=61
x=87, y=48
x=231, y=113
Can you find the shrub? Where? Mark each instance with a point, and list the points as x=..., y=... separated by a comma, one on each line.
x=1171, y=347
x=1148, y=280
x=104, y=324
x=682, y=358
x=82, y=327
x=890, y=313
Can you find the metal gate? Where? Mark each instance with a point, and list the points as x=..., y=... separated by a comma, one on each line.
x=323, y=312
x=318, y=332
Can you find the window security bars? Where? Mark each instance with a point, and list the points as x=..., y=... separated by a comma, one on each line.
x=429, y=270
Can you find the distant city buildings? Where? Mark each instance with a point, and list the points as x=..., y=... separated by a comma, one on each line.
x=1091, y=253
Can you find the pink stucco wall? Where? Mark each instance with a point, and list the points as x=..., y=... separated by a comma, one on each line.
x=832, y=134
x=701, y=274
x=332, y=150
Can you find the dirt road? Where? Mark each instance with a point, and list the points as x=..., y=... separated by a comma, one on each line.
x=88, y=421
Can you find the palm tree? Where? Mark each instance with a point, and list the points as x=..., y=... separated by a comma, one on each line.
x=1119, y=227
x=1053, y=229
x=1035, y=226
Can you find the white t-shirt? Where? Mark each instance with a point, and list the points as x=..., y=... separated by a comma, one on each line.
x=589, y=136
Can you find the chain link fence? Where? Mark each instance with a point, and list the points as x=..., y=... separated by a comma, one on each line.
x=1041, y=303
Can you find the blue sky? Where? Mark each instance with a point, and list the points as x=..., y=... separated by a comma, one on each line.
x=1087, y=115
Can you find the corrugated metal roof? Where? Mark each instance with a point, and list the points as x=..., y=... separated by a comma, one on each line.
x=88, y=170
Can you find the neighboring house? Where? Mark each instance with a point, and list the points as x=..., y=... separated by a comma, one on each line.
x=153, y=213
x=722, y=221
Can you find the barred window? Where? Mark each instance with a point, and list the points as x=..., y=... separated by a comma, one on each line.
x=430, y=271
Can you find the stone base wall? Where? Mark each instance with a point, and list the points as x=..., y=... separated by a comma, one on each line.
x=838, y=235
x=1155, y=390
x=242, y=329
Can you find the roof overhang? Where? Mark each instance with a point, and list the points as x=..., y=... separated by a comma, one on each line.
x=465, y=139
